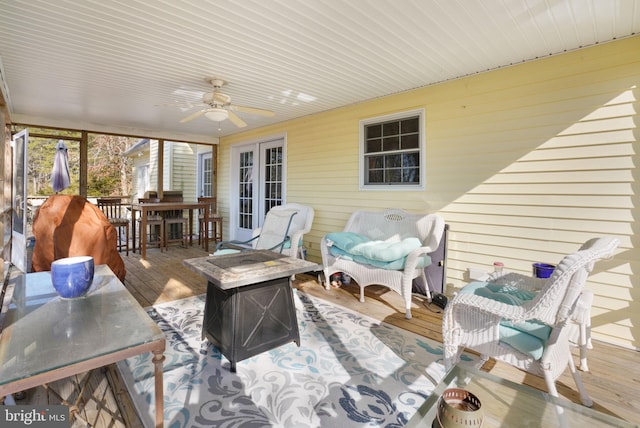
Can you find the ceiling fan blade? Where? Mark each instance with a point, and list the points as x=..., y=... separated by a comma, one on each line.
x=193, y=116
x=252, y=110
x=236, y=120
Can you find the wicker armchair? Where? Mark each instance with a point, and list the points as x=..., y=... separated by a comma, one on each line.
x=580, y=331
x=481, y=316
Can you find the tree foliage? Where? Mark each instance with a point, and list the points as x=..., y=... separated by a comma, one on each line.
x=109, y=171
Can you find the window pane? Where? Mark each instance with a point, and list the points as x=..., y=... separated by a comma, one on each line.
x=376, y=176
x=392, y=143
x=393, y=161
x=410, y=175
x=410, y=125
x=411, y=159
x=374, y=146
x=373, y=131
x=391, y=128
x=392, y=176
x=376, y=162
x=410, y=141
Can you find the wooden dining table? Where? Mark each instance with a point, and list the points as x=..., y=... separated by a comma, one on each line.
x=144, y=209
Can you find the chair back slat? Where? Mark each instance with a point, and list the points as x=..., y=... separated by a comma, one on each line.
x=111, y=207
x=175, y=213
x=151, y=215
x=213, y=206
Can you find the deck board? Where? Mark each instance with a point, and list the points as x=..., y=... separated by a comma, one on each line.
x=612, y=382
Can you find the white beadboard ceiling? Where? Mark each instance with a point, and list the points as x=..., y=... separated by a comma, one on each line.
x=111, y=65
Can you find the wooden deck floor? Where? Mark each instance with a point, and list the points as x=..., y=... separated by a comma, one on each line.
x=613, y=381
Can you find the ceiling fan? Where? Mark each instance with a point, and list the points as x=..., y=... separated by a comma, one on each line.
x=219, y=107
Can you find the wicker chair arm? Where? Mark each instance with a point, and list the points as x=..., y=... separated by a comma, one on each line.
x=518, y=280
x=465, y=303
x=414, y=257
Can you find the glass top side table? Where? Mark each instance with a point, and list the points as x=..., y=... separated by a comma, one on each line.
x=46, y=338
x=508, y=404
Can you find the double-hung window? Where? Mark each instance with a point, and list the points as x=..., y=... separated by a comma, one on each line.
x=392, y=152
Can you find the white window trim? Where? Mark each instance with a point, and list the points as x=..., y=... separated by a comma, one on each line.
x=423, y=145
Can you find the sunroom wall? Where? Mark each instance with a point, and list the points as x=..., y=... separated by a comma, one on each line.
x=525, y=163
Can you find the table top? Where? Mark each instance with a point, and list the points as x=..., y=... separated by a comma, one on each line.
x=247, y=267
x=44, y=332
x=508, y=404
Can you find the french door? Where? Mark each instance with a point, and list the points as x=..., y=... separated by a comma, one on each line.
x=20, y=213
x=258, y=183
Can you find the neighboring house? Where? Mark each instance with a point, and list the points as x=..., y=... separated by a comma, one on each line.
x=141, y=173
x=187, y=168
x=524, y=163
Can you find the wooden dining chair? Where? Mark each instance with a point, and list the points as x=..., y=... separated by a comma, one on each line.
x=155, y=225
x=114, y=211
x=175, y=223
x=212, y=224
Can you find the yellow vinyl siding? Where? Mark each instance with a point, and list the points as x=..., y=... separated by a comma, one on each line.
x=525, y=163
x=180, y=168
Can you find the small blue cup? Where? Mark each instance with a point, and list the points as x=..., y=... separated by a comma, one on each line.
x=72, y=276
x=543, y=270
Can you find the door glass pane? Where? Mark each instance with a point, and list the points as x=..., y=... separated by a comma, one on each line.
x=207, y=174
x=273, y=178
x=245, y=191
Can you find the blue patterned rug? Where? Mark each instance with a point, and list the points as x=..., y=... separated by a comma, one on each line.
x=350, y=370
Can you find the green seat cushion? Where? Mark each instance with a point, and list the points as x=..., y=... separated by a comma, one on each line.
x=346, y=240
x=515, y=336
x=529, y=337
x=225, y=251
x=287, y=244
x=381, y=254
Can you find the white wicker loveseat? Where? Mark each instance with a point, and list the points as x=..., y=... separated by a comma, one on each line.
x=410, y=237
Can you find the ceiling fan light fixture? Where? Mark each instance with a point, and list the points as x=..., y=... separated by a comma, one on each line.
x=217, y=114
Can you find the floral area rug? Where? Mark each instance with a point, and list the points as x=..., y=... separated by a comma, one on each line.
x=350, y=370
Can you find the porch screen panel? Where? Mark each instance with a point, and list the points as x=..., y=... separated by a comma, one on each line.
x=245, y=191
x=273, y=178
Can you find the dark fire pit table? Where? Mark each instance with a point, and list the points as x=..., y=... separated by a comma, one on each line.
x=249, y=307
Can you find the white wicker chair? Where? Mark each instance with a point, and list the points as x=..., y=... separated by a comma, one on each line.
x=472, y=321
x=392, y=225
x=580, y=332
